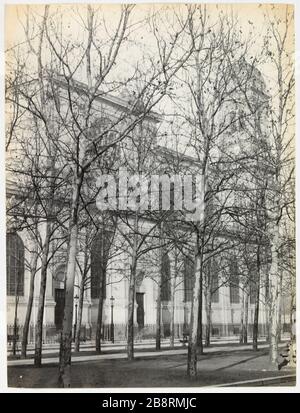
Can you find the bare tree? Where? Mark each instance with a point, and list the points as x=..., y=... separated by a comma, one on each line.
x=278, y=42
x=210, y=80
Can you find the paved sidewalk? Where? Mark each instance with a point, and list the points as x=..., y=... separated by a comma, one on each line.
x=50, y=347
x=142, y=351
x=106, y=346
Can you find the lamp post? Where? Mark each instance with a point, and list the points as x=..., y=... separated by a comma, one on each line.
x=76, y=305
x=112, y=327
x=184, y=317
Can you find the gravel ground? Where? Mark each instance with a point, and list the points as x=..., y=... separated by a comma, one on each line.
x=154, y=371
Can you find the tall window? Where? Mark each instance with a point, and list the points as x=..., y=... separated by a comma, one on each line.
x=189, y=279
x=15, y=265
x=234, y=283
x=99, y=260
x=165, y=282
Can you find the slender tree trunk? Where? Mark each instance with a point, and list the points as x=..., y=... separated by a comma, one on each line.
x=41, y=304
x=200, y=315
x=29, y=304
x=255, y=322
x=292, y=313
x=257, y=298
x=197, y=293
x=66, y=335
x=193, y=336
x=267, y=307
x=131, y=300
x=100, y=317
x=293, y=325
x=173, y=288
x=131, y=294
x=208, y=318
x=15, y=329
x=242, y=316
x=82, y=290
x=172, y=323
x=158, y=317
x=64, y=379
x=280, y=306
x=274, y=299
x=80, y=308
x=245, y=334
x=159, y=291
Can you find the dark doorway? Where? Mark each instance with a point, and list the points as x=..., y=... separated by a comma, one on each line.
x=59, y=307
x=140, y=314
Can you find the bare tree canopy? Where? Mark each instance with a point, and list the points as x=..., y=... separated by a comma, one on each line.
x=150, y=167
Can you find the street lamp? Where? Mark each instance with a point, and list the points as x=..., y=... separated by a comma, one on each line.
x=112, y=327
x=76, y=298
x=184, y=316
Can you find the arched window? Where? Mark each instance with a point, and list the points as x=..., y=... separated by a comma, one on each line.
x=165, y=281
x=59, y=277
x=189, y=279
x=14, y=265
x=99, y=260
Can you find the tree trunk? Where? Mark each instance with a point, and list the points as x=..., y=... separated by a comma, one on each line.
x=173, y=288
x=131, y=293
x=274, y=299
x=245, y=333
x=280, y=306
x=293, y=314
x=193, y=336
x=100, y=317
x=200, y=315
x=197, y=292
x=66, y=335
x=64, y=378
x=159, y=291
x=208, y=318
x=131, y=300
x=267, y=307
x=172, y=324
x=79, y=320
x=158, y=317
x=242, y=317
x=255, y=322
x=29, y=304
x=257, y=298
x=15, y=329
x=41, y=304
